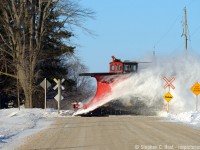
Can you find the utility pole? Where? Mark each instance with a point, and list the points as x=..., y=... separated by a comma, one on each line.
x=185, y=30
x=154, y=53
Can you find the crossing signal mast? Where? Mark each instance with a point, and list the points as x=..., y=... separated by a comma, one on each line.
x=185, y=29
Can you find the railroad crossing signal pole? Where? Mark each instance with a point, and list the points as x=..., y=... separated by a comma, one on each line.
x=45, y=84
x=168, y=97
x=59, y=97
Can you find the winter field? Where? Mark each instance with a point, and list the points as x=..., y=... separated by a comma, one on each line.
x=16, y=125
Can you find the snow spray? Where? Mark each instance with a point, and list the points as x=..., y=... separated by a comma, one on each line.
x=147, y=86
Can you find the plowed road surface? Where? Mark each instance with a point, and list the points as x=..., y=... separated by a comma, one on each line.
x=114, y=133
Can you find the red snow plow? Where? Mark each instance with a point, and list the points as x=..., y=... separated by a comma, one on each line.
x=105, y=82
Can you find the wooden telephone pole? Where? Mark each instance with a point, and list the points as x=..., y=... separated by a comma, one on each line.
x=185, y=29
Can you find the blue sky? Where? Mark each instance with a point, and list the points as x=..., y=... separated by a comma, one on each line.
x=130, y=29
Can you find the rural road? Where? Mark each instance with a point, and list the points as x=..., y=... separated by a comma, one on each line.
x=114, y=133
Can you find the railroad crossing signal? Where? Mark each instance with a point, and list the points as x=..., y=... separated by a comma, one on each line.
x=59, y=97
x=62, y=87
x=169, y=82
x=168, y=97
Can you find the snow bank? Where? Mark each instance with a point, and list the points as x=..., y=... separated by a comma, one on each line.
x=15, y=124
x=191, y=118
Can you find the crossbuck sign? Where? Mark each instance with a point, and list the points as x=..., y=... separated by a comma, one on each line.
x=59, y=97
x=169, y=82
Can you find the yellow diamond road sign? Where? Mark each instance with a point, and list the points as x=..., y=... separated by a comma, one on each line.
x=196, y=88
x=168, y=97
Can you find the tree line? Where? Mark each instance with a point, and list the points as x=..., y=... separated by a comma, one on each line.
x=34, y=44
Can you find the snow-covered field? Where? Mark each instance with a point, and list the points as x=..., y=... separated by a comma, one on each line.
x=16, y=125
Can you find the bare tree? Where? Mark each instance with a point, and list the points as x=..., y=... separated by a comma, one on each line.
x=23, y=25
x=84, y=86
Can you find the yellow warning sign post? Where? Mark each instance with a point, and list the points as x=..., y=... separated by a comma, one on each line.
x=196, y=90
x=168, y=97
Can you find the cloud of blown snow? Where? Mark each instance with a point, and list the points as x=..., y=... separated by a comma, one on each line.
x=147, y=86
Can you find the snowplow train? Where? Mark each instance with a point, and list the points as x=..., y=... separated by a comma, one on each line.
x=105, y=83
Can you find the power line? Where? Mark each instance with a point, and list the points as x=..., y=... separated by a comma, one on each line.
x=190, y=3
x=189, y=38
x=195, y=31
x=167, y=32
x=172, y=25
